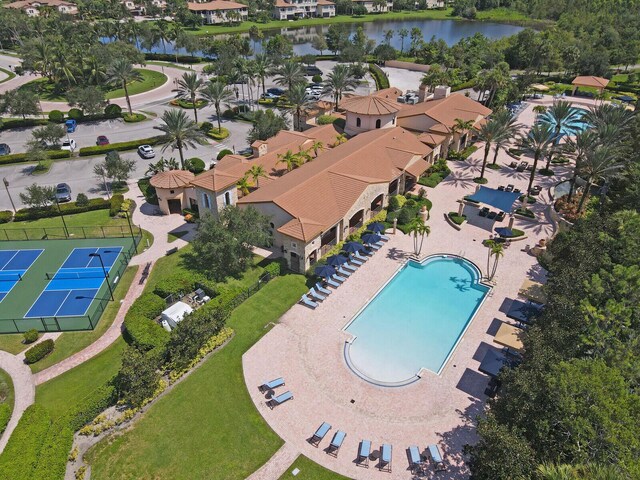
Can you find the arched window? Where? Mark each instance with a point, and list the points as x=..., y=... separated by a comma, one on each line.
x=227, y=198
x=358, y=122
x=378, y=123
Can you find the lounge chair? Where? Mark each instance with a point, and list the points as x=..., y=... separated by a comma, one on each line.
x=513, y=164
x=344, y=272
x=522, y=167
x=273, y=384
x=355, y=261
x=415, y=459
x=535, y=190
x=349, y=268
x=319, y=434
x=322, y=290
x=384, y=465
x=336, y=443
x=362, y=258
x=363, y=454
x=338, y=278
x=492, y=215
x=280, y=399
x=509, y=188
x=315, y=295
x=436, y=458
x=332, y=283
x=307, y=302
x=501, y=188
x=484, y=211
x=375, y=246
x=500, y=216
x=516, y=190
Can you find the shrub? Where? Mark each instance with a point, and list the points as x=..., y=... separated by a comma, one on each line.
x=168, y=57
x=65, y=208
x=325, y=119
x=525, y=212
x=179, y=281
x=118, y=146
x=180, y=102
x=6, y=216
x=92, y=405
x=5, y=415
x=406, y=215
x=133, y=117
x=22, y=157
x=82, y=200
x=115, y=204
x=206, y=126
x=148, y=190
x=147, y=305
x=382, y=81
x=52, y=457
x=39, y=351
x=22, y=123
x=218, y=134
x=430, y=181
x=144, y=333
x=113, y=111
x=56, y=116
x=196, y=165
x=457, y=219
x=223, y=153
x=30, y=336
x=316, y=78
x=481, y=180
x=229, y=113
x=75, y=114
x=396, y=202
x=274, y=269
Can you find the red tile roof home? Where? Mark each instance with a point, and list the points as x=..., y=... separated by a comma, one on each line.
x=214, y=5
x=38, y=3
x=369, y=105
x=172, y=179
x=590, y=81
x=321, y=192
x=391, y=93
x=446, y=110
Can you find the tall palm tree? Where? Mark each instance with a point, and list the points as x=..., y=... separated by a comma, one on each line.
x=289, y=73
x=578, y=147
x=180, y=132
x=304, y=155
x=418, y=229
x=339, y=81
x=601, y=163
x=256, y=172
x=299, y=101
x=561, y=116
x=537, y=142
x=460, y=126
x=340, y=139
x=188, y=88
x=290, y=159
x=496, y=250
x=317, y=146
x=163, y=31
x=489, y=132
x=510, y=128
x=539, y=109
x=262, y=66
x=217, y=93
x=434, y=77
x=121, y=72
x=609, y=114
x=243, y=185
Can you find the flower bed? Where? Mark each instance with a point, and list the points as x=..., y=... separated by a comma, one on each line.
x=218, y=134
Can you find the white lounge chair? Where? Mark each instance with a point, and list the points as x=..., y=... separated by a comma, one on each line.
x=308, y=302
x=348, y=267
x=344, y=272
x=362, y=258
x=353, y=259
x=322, y=290
x=280, y=399
x=319, y=434
x=273, y=384
x=315, y=295
x=332, y=283
x=338, y=278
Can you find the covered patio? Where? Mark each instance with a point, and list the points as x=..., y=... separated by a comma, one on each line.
x=590, y=81
x=479, y=212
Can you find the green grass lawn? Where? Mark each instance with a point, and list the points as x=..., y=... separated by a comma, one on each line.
x=6, y=389
x=172, y=237
x=9, y=74
x=310, y=471
x=12, y=343
x=72, y=342
x=502, y=15
x=198, y=429
x=44, y=89
x=170, y=64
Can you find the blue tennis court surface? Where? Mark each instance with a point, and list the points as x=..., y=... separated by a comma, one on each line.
x=14, y=264
x=76, y=283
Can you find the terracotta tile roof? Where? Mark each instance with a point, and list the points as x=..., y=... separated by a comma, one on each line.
x=590, y=81
x=391, y=93
x=321, y=192
x=172, y=179
x=369, y=105
x=325, y=2
x=282, y=4
x=446, y=110
x=432, y=138
x=38, y=3
x=214, y=5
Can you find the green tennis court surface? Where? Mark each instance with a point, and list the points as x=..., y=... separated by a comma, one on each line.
x=58, y=285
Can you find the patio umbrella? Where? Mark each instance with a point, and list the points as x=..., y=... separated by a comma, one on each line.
x=625, y=98
x=336, y=260
x=376, y=227
x=370, y=238
x=540, y=87
x=353, y=247
x=325, y=271
x=504, y=232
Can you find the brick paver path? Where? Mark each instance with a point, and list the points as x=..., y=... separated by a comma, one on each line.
x=24, y=389
x=277, y=464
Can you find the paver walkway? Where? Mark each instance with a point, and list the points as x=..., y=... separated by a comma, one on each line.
x=24, y=389
x=277, y=464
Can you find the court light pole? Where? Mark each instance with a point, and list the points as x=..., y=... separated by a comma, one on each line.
x=64, y=223
x=104, y=270
x=6, y=186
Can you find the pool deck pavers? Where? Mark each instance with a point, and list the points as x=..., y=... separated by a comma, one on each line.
x=306, y=346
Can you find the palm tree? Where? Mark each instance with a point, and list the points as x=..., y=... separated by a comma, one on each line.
x=609, y=114
x=317, y=146
x=217, y=93
x=561, y=116
x=304, y=155
x=299, y=101
x=435, y=76
x=256, y=172
x=339, y=81
x=180, y=132
x=402, y=33
x=121, y=72
x=289, y=73
x=340, y=139
x=460, y=126
x=539, y=109
x=290, y=159
x=537, y=142
x=600, y=163
x=417, y=228
x=509, y=129
x=578, y=147
x=489, y=132
x=188, y=88
x=262, y=67
x=243, y=186
x=496, y=250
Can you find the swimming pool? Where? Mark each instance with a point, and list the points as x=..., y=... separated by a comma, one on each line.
x=415, y=321
x=576, y=127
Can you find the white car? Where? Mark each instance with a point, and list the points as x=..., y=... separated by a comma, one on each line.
x=145, y=151
x=313, y=95
x=69, y=145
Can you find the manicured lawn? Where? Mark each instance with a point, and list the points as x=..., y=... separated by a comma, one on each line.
x=150, y=80
x=9, y=74
x=12, y=343
x=172, y=237
x=62, y=393
x=310, y=471
x=72, y=342
x=201, y=428
x=502, y=15
x=6, y=390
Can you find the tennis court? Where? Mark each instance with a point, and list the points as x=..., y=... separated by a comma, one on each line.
x=14, y=264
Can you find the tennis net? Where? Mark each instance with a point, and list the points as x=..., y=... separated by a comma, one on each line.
x=7, y=277
x=62, y=275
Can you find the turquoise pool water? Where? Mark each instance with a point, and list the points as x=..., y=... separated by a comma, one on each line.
x=415, y=321
x=576, y=127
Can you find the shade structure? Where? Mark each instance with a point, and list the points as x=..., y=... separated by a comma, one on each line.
x=540, y=87
x=336, y=260
x=371, y=238
x=509, y=336
x=325, y=271
x=353, y=247
x=492, y=362
x=504, y=232
x=376, y=227
x=499, y=199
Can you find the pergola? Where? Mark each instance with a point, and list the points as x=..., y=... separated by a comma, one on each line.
x=598, y=83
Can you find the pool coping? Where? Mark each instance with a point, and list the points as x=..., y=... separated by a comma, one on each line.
x=423, y=370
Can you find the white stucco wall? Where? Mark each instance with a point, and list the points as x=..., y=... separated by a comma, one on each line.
x=367, y=122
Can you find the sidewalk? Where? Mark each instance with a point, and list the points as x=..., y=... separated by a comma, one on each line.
x=24, y=389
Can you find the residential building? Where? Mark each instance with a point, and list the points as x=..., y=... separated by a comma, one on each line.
x=174, y=190
x=32, y=8
x=291, y=9
x=139, y=8
x=369, y=113
x=219, y=11
x=372, y=6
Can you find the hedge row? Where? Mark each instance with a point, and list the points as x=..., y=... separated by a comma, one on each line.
x=166, y=57
x=66, y=209
x=52, y=458
x=91, y=406
x=116, y=204
x=118, y=146
x=22, y=157
x=6, y=216
x=139, y=323
x=382, y=81
x=5, y=415
x=39, y=351
x=22, y=123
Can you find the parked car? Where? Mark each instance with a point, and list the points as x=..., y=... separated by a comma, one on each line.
x=278, y=92
x=145, y=151
x=71, y=125
x=313, y=95
x=69, y=144
x=102, y=140
x=270, y=96
x=5, y=149
x=313, y=70
x=63, y=192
